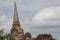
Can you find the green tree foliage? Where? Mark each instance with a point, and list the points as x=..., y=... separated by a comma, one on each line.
x=1, y=35
x=4, y=36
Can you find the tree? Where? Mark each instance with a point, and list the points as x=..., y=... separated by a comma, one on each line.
x=4, y=36
x=7, y=36
x=1, y=35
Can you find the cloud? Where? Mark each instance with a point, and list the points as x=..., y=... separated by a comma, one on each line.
x=25, y=25
x=5, y=23
x=47, y=21
x=47, y=17
x=35, y=5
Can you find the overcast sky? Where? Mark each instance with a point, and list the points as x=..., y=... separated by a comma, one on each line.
x=36, y=16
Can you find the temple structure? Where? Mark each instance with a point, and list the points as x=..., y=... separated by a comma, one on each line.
x=17, y=32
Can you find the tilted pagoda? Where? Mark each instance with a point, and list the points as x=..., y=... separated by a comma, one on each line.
x=17, y=32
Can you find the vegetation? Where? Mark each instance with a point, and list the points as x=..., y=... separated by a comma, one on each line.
x=4, y=36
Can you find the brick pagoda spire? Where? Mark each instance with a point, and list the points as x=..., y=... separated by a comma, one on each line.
x=16, y=32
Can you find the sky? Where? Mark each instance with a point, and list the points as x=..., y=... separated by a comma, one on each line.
x=36, y=16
